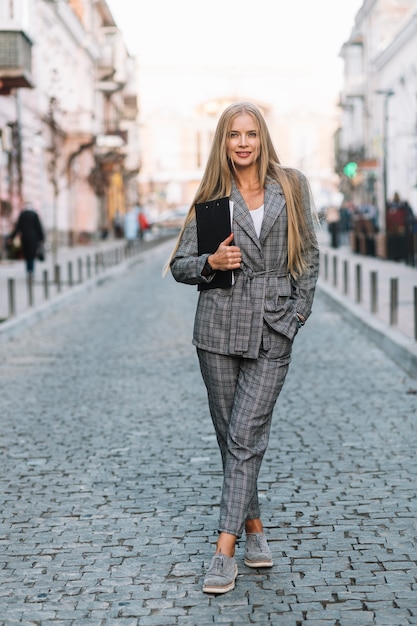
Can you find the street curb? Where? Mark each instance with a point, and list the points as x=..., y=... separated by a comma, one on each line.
x=400, y=348
x=10, y=328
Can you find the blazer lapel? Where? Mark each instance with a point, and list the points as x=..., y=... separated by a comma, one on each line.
x=241, y=215
x=274, y=203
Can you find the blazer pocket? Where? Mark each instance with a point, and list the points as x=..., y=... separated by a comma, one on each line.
x=279, y=291
x=212, y=320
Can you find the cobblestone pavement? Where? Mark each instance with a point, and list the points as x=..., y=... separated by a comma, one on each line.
x=110, y=472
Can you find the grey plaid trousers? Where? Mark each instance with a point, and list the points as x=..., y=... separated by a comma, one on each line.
x=242, y=394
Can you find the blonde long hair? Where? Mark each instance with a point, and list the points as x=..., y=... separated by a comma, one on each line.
x=218, y=177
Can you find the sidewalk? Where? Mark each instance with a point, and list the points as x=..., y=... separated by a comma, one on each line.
x=65, y=255
x=82, y=268
x=397, y=339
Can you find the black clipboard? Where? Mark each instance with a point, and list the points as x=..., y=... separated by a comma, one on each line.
x=213, y=226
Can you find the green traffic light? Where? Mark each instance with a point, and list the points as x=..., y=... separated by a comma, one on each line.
x=350, y=169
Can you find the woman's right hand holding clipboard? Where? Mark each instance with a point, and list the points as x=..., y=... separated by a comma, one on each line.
x=226, y=257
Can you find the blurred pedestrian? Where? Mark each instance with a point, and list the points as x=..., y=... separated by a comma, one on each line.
x=370, y=215
x=396, y=215
x=333, y=223
x=131, y=226
x=30, y=230
x=143, y=223
x=244, y=334
x=118, y=225
x=345, y=224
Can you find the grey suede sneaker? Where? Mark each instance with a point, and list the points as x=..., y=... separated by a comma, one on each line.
x=257, y=552
x=221, y=574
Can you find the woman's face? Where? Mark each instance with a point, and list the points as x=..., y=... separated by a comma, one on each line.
x=243, y=142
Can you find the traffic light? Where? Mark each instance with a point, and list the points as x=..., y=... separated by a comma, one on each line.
x=350, y=169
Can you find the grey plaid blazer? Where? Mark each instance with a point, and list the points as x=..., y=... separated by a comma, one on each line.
x=230, y=321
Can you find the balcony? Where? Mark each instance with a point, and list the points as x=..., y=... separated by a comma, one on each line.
x=112, y=139
x=15, y=61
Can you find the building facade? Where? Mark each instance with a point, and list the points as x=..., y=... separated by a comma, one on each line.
x=68, y=109
x=377, y=139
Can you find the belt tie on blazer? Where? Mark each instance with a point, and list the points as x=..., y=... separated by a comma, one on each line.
x=244, y=321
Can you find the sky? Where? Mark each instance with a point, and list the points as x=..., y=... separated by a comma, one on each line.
x=282, y=51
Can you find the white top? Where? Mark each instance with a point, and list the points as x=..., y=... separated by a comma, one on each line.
x=258, y=216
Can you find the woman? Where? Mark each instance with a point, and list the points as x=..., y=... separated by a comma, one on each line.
x=244, y=334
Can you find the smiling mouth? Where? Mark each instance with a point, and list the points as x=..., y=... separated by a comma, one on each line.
x=243, y=154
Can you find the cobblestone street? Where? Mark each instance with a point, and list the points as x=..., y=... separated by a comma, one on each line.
x=111, y=476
